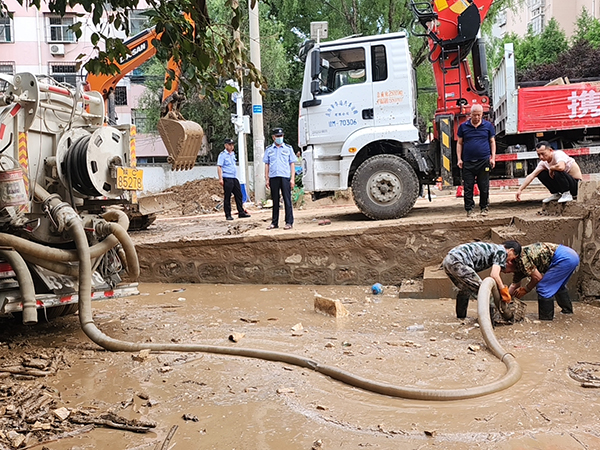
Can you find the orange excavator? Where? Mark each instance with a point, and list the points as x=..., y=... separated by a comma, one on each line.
x=182, y=138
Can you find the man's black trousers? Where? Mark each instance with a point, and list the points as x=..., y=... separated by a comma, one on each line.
x=232, y=186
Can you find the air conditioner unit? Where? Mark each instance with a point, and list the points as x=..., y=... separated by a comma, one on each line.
x=57, y=49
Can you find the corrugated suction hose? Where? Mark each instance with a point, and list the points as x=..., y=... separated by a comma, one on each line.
x=87, y=323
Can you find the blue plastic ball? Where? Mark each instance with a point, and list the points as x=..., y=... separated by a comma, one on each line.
x=377, y=289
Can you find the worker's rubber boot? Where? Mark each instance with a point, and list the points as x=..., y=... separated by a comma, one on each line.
x=564, y=300
x=545, y=308
x=462, y=304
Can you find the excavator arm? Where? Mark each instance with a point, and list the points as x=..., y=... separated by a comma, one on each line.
x=182, y=138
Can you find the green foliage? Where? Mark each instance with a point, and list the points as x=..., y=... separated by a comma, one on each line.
x=210, y=113
x=587, y=28
x=426, y=101
x=298, y=196
x=552, y=42
x=531, y=50
x=498, y=7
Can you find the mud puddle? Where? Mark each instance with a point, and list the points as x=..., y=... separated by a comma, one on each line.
x=226, y=402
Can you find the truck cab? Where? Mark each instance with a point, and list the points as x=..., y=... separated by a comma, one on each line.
x=357, y=121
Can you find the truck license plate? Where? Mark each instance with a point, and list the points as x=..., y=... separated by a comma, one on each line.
x=130, y=179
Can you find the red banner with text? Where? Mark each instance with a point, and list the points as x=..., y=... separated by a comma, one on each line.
x=563, y=107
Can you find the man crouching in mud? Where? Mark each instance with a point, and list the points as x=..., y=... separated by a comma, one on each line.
x=462, y=263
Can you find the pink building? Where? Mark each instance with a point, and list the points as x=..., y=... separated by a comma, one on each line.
x=39, y=42
x=537, y=14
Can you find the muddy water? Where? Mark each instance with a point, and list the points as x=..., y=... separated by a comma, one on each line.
x=253, y=404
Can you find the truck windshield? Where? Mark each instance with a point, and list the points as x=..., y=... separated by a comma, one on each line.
x=342, y=67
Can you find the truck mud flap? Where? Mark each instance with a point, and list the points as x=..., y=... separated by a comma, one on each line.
x=183, y=139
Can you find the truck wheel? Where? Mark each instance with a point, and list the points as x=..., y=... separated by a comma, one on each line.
x=385, y=187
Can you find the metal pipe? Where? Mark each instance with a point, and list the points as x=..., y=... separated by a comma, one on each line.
x=26, y=286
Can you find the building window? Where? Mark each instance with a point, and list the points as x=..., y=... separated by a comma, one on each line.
x=59, y=29
x=538, y=8
x=120, y=96
x=7, y=67
x=6, y=34
x=64, y=73
x=138, y=22
x=537, y=24
x=501, y=20
x=138, y=118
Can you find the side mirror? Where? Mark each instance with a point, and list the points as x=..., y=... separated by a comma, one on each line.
x=315, y=84
x=315, y=63
x=315, y=87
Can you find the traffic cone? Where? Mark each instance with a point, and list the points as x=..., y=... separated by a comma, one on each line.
x=460, y=191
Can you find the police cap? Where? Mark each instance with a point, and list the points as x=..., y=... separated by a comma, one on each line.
x=228, y=141
x=277, y=131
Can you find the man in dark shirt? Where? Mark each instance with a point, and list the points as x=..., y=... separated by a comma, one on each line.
x=476, y=153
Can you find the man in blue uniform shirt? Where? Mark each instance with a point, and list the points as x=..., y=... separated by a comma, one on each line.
x=226, y=166
x=476, y=153
x=280, y=176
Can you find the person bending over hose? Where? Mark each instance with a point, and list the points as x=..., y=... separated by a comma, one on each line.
x=462, y=263
x=549, y=267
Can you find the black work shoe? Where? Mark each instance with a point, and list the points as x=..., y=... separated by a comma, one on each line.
x=545, y=308
x=229, y=218
x=244, y=215
x=564, y=301
x=462, y=304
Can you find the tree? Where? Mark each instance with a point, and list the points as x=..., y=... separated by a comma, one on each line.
x=204, y=48
x=587, y=28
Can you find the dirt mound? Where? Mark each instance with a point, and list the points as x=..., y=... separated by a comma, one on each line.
x=202, y=196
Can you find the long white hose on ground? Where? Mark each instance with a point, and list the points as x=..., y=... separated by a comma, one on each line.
x=72, y=224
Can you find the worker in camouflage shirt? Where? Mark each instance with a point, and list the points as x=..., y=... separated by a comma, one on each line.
x=549, y=267
x=462, y=263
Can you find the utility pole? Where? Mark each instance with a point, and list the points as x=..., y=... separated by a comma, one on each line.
x=238, y=118
x=258, y=135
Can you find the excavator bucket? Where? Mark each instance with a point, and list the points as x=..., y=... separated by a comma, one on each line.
x=183, y=139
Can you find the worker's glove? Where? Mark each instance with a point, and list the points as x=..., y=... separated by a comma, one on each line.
x=520, y=292
x=505, y=295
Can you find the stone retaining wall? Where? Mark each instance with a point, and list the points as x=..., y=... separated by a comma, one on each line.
x=385, y=254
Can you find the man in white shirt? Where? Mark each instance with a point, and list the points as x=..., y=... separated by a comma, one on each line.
x=557, y=171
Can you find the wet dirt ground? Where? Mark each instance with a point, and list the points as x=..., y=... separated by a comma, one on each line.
x=238, y=403
x=339, y=211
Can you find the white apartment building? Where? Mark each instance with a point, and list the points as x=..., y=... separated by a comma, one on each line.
x=537, y=14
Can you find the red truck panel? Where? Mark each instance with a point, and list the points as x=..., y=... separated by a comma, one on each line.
x=548, y=108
